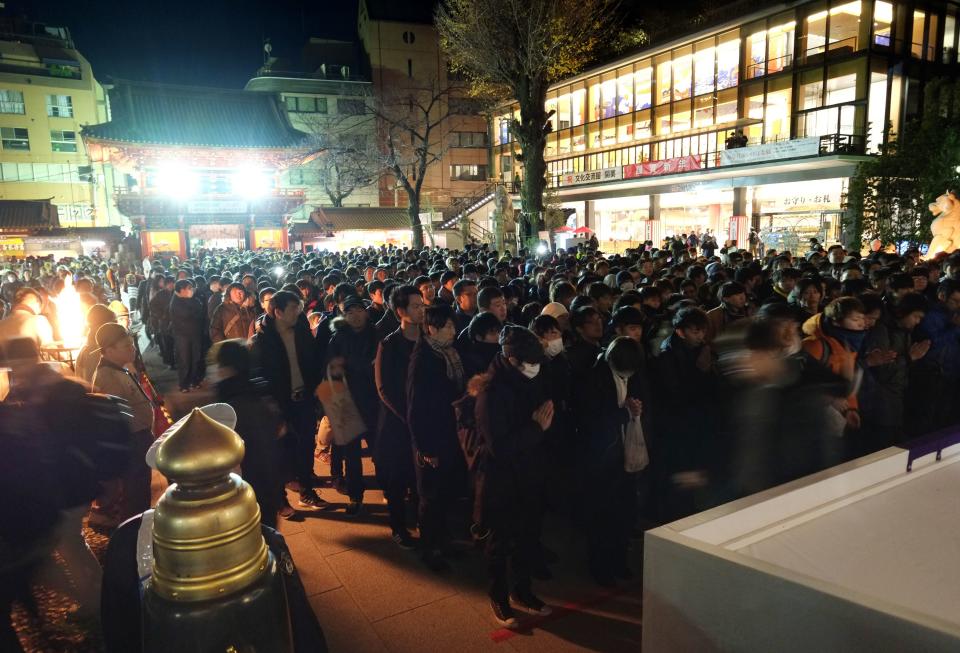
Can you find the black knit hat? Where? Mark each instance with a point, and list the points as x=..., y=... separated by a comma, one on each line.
x=520, y=343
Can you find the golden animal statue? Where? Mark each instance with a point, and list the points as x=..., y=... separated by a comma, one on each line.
x=946, y=225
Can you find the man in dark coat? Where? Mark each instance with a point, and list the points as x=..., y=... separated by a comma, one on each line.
x=434, y=381
x=512, y=414
x=393, y=453
x=186, y=326
x=614, y=393
x=285, y=354
x=478, y=344
x=160, y=319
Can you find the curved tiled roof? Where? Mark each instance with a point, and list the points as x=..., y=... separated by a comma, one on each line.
x=161, y=114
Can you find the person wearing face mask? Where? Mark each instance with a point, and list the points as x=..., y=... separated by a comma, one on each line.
x=614, y=393
x=435, y=379
x=479, y=343
x=513, y=414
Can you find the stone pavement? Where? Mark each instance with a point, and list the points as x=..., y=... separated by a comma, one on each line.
x=369, y=595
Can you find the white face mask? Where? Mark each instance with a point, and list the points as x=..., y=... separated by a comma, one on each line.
x=626, y=286
x=554, y=347
x=530, y=370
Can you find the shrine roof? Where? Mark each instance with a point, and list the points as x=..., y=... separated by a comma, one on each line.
x=163, y=114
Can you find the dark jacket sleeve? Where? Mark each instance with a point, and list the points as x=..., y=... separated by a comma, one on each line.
x=422, y=402
x=389, y=380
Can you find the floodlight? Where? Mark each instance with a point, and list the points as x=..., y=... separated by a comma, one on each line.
x=177, y=180
x=251, y=182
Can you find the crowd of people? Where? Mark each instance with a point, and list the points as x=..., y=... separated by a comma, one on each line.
x=492, y=388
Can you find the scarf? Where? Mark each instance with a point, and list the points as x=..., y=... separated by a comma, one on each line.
x=451, y=358
x=852, y=340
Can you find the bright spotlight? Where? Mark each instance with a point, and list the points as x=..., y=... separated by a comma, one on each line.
x=278, y=271
x=542, y=249
x=251, y=182
x=177, y=181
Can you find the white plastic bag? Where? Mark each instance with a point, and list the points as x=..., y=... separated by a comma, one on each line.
x=635, y=456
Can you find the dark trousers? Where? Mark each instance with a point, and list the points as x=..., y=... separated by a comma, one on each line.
x=613, y=508
x=189, y=361
x=301, y=419
x=165, y=342
x=511, y=549
x=437, y=488
x=394, y=468
x=136, y=478
x=349, y=454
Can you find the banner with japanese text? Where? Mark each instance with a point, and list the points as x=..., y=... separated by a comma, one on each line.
x=663, y=167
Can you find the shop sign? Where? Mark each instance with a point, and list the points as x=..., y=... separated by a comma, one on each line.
x=216, y=206
x=592, y=177
x=662, y=167
x=771, y=151
x=11, y=245
x=74, y=213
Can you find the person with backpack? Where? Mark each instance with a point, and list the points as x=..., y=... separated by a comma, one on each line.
x=513, y=411
x=231, y=319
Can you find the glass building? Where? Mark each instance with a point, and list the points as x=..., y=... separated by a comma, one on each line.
x=758, y=122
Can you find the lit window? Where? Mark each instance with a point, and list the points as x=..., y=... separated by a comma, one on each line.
x=704, y=68
x=916, y=41
x=59, y=106
x=682, y=76
x=663, y=78
x=728, y=61
x=11, y=102
x=608, y=98
x=468, y=172
x=63, y=141
x=644, y=79
x=578, y=101
x=624, y=93
x=845, y=27
x=882, y=20
x=756, y=54
x=15, y=138
x=703, y=112
x=780, y=39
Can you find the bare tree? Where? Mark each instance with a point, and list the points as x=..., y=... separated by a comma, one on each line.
x=519, y=47
x=348, y=158
x=411, y=119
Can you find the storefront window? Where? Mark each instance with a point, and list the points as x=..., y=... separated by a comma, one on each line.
x=727, y=106
x=842, y=80
x=644, y=82
x=578, y=101
x=780, y=40
x=681, y=119
x=814, y=37
x=877, y=110
x=819, y=123
x=845, y=27
x=624, y=129
x=703, y=111
x=930, y=53
x=663, y=66
x=579, y=140
x=608, y=94
x=683, y=213
x=704, y=68
x=563, y=111
x=594, y=103
x=563, y=144
x=551, y=148
x=949, y=35
x=916, y=41
x=779, y=111
x=621, y=221
x=882, y=22
x=811, y=89
x=682, y=73
x=609, y=132
x=624, y=91
x=663, y=120
x=756, y=53
x=728, y=60
x=642, y=125
x=753, y=110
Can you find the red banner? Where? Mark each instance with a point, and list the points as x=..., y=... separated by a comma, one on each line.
x=664, y=167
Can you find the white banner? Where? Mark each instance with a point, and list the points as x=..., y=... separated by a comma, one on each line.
x=771, y=151
x=216, y=206
x=592, y=177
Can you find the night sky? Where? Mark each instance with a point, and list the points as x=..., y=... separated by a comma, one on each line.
x=220, y=42
x=201, y=42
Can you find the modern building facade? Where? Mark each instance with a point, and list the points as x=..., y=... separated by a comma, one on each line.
x=199, y=167
x=756, y=122
x=403, y=50
x=47, y=94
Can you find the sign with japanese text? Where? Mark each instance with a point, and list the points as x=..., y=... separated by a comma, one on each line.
x=771, y=151
x=592, y=177
x=216, y=206
x=663, y=167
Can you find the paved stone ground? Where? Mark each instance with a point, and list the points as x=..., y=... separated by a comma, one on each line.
x=369, y=595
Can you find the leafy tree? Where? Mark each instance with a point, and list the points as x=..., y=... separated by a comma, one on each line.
x=514, y=49
x=890, y=194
